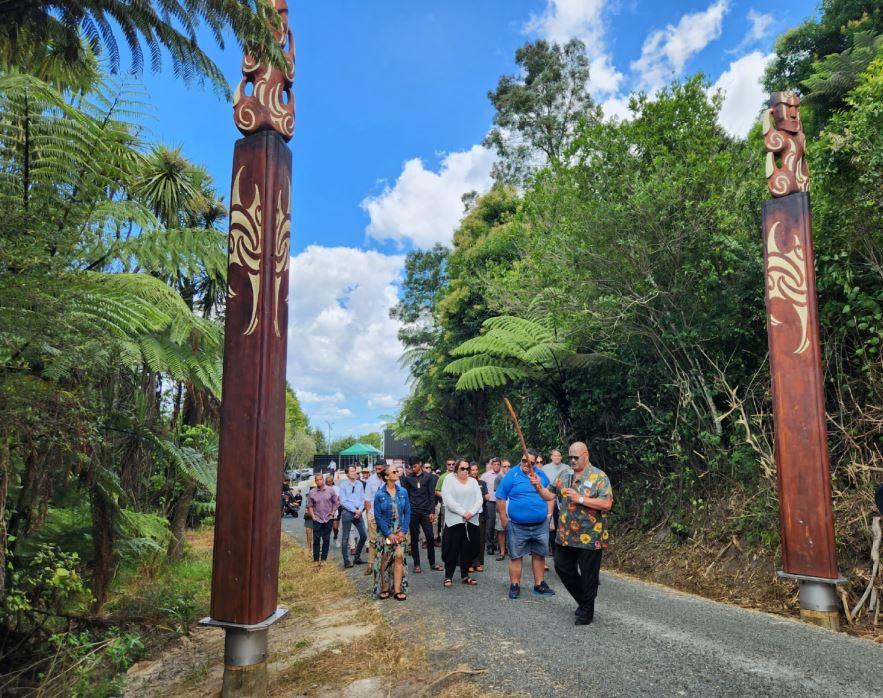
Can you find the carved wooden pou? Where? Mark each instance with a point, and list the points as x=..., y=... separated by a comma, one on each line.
x=801, y=447
x=247, y=522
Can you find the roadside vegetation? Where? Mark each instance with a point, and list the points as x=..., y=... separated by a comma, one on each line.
x=611, y=285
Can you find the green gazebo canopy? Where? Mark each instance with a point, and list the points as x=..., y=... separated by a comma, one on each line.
x=360, y=449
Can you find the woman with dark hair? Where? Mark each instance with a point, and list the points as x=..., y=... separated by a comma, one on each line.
x=392, y=512
x=463, y=502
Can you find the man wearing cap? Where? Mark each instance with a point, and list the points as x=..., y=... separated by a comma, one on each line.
x=584, y=496
x=372, y=484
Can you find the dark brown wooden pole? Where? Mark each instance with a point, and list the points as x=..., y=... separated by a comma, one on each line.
x=801, y=446
x=247, y=521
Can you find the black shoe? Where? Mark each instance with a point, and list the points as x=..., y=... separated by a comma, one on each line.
x=357, y=561
x=582, y=620
x=347, y=565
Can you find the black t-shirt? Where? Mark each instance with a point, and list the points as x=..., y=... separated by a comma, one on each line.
x=421, y=491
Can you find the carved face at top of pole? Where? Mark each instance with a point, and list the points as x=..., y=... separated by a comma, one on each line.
x=783, y=138
x=785, y=108
x=270, y=104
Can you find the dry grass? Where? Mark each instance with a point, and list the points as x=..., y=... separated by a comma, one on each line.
x=330, y=638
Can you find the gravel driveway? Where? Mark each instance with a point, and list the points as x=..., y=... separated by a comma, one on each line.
x=646, y=640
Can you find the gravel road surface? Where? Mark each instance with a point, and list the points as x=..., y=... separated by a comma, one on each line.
x=646, y=640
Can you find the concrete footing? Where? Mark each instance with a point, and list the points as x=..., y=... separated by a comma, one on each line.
x=818, y=600
x=245, y=656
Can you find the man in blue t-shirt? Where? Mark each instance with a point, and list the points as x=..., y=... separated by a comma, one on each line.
x=525, y=516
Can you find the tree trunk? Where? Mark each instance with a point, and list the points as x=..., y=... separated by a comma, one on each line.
x=179, y=521
x=102, y=545
x=20, y=520
x=4, y=488
x=479, y=406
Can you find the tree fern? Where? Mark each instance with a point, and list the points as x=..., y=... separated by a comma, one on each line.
x=160, y=25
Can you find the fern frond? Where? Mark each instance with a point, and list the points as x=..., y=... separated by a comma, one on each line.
x=484, y=377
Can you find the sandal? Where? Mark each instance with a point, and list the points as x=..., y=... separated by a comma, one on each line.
x=401, y=596
x=383, y=595
x=471, y=570
x=448, y=582
x=417, y=570
x=469, y=581
x=479, y=568
x=500, y=557
x=436, y=568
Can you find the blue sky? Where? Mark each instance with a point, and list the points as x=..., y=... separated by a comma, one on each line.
x=391, y=110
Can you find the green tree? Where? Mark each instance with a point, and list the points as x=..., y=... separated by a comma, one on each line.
x=539, y=110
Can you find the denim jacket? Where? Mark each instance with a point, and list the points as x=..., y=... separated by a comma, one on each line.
x=383, y=510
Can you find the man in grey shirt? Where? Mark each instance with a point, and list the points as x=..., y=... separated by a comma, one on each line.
x=553, y=470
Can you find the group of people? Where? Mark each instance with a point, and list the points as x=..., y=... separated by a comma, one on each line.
x=529, y=511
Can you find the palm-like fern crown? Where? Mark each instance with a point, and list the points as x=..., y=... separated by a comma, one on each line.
x=158, y=25
x=83, y=255
x=508, y=349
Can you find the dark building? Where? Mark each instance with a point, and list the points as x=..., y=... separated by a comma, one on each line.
x=396, y=450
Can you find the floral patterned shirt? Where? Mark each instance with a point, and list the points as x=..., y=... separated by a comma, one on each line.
x=579, y=526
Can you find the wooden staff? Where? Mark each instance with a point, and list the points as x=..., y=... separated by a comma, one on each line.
x=517, y=425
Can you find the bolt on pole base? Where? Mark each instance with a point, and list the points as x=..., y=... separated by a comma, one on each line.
x=245, y=656
x=818, y=600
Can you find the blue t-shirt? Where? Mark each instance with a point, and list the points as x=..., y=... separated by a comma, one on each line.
x=523, y=503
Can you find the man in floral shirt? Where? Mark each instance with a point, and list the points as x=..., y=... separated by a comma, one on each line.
x=584, y=498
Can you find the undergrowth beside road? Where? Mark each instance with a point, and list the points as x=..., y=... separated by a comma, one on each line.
x=728, y=549
x=149, y=606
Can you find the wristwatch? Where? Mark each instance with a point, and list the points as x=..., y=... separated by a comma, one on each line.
x=581, y=500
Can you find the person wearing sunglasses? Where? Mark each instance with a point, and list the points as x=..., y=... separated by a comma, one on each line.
x=585, y=496
x=392, y=512
x=525, y=516
x=462, y=538
x=553, y=470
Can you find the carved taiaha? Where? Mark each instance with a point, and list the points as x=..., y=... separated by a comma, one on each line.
x=801, y=448
x=247, y=523
x=514, y=419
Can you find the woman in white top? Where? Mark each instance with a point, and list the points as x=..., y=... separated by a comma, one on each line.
x=463, y=502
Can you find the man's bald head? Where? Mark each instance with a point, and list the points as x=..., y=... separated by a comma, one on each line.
x=578, y=454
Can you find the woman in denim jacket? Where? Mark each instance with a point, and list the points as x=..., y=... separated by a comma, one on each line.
x=392, y=512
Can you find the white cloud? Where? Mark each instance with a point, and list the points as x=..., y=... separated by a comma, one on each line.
x=616, y=107
x=665, y=51
x=308, y=397
x=760, y=26
x=564, y=20
x=743, y=93
x=342, y=344
x=424, y=206
x=384, y=401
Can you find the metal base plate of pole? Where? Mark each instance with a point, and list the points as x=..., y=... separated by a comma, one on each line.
x=818, y=599
x=245, y=656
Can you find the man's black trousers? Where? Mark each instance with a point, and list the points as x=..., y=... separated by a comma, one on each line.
x=460, y=544
x=578, y=569
x=321, y=535
x=420, y=520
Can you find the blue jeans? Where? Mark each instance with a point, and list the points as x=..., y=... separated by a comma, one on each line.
x=347, y=521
